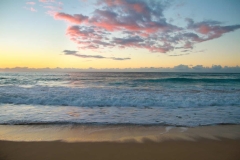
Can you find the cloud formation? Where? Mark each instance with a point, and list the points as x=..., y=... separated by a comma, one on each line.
x=210, y=29
x=33, y=10
x=76, y=18
x=46, y=1
x=139, y=24
x=75, y=53
x=30, y=9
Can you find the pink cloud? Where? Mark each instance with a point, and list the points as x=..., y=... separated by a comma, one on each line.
x=138, y=16
x=136, y=21
x=76, y=18
x=139, y=8
x=87, y=38
x=46, y=1
x=43, y=1
x=204, y=29
x=74, y=31
x=135, y=24
x=211, y=29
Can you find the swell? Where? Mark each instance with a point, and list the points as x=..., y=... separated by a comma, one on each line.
x=108, y=97
x=188, y=80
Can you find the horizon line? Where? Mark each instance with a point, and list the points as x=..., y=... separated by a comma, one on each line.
x=178, y=68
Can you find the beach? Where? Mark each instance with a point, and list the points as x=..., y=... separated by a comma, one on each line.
x=142, y=116
x=120, y=80
x=119, y=142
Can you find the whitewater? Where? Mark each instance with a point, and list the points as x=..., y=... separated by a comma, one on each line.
x=175, y=99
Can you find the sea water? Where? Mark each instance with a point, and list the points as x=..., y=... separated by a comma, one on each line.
x=168, y=99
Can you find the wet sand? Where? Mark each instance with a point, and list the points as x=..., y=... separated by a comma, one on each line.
x=120, y=143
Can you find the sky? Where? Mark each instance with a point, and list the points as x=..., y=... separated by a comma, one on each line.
x=119, y=33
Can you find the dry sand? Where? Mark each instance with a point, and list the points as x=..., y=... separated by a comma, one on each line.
x=168, y=150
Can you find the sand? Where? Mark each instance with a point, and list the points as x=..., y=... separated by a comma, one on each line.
x=132, y=143
x=169, y=150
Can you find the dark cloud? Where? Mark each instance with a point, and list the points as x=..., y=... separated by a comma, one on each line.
x=216, y=67
x=68, y=52
x=210, y=29
x=119, y=59
x=179, y=68
x=198, y=67
x=130, y=41
x=75, y=53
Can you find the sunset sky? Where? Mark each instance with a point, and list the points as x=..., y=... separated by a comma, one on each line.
x=119, y=33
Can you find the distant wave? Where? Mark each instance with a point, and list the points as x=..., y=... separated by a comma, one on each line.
x=187, y=80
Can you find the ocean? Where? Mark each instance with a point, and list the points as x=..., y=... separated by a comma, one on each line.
x=164, y=99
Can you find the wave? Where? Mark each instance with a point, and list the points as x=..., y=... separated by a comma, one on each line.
x=119, y=97
x=102, y=97
x=187, y=80
x=36, y=123
x=70, y=115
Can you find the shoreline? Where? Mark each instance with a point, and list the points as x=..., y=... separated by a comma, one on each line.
x=115, y=133
x=65, y=142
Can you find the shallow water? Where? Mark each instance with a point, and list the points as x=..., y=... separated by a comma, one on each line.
x=115, y=133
